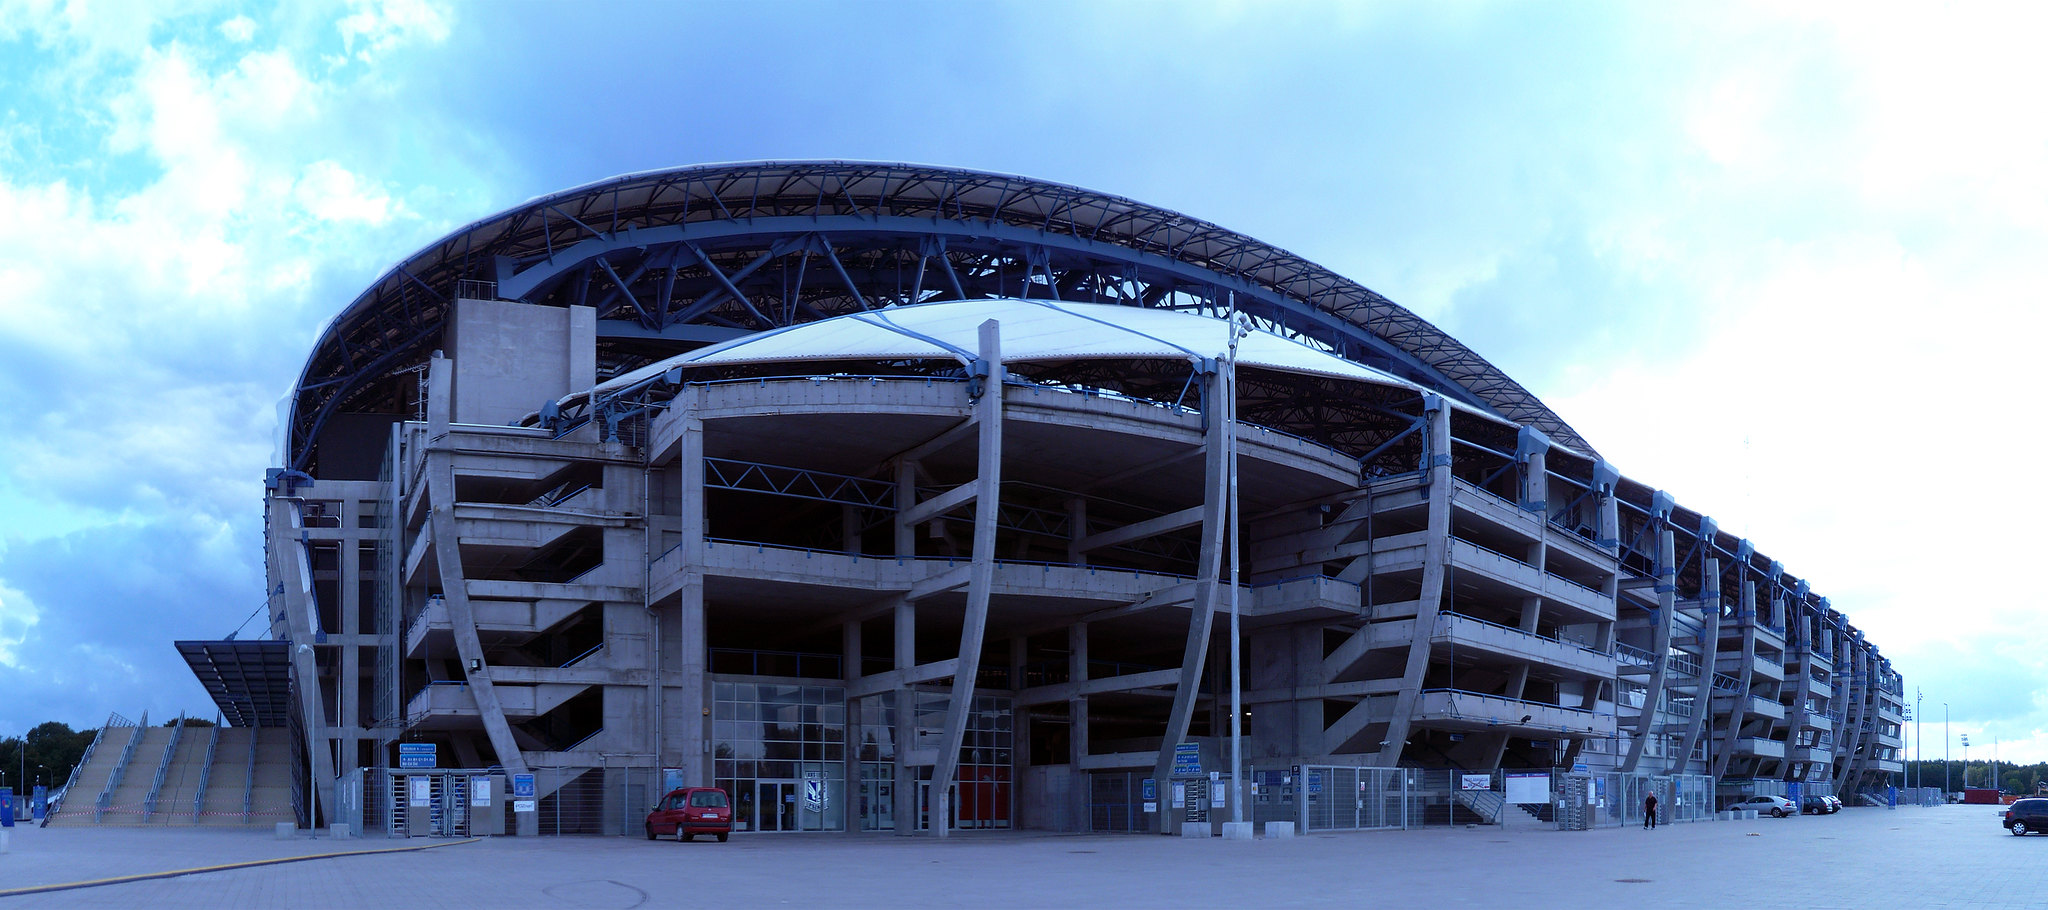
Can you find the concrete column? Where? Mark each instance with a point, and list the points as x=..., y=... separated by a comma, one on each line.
x=1077, y=725
x=1435, y=574
x=1533, y=449
x=904, y=713
x=691, y=645
x=1077, y=528
x=1660, y=646
x=850, y=672
x=1202, y=613
x=981, y=576
x=1020, y=727
x=1710, y=652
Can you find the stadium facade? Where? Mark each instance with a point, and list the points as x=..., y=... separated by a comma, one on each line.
x=908, y=498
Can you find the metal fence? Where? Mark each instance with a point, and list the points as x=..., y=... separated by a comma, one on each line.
x=1339, y=798
x=568, y=801
x=1115, y=804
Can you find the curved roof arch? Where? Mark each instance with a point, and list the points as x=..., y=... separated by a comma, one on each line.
x=676, y=258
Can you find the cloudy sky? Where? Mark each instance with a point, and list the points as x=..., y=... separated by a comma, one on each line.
x=1786, y=265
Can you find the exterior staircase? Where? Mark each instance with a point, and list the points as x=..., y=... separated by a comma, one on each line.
x=179, y=775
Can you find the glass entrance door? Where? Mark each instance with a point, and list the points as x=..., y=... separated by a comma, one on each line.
x=924, y=807
x=775, y=806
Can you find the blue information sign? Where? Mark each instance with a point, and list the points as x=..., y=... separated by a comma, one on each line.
x=417, y=755
x=1187, y=759
x=1150, y=789
x=522, y=786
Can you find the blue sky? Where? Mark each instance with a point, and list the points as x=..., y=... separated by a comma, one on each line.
x=1784, y=264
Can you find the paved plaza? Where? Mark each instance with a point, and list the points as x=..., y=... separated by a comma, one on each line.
x=1866, y=859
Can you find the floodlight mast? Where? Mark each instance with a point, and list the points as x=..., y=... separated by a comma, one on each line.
x=1240, y=326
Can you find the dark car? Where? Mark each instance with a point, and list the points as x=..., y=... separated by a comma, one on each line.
x=689, y=812
x=1816, y=805
x=2027, y=816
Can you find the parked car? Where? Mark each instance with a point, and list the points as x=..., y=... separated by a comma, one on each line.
x=1834, y=804
x=1816, y=805
x=689, y=812
x=2027, y=816
x=1773, y=806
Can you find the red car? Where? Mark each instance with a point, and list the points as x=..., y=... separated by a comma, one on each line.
x=691, y=811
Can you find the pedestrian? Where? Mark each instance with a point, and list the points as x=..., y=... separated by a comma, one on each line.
x=1649, y=811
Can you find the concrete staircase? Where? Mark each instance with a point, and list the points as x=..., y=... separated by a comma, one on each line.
x=248, y=783
x=181, y=779
x=270, y=790
x=228, y=784
x=125, y=806
x=91, y=779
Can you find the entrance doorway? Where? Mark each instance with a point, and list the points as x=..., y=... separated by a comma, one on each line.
x=775, y=805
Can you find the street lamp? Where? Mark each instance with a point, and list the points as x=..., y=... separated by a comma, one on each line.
x=1240, y=326
x=1944, y=751
x=1966, y=761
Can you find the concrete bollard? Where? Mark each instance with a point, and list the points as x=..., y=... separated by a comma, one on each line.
x=4, y=835
x=1238, y=831
x=1197, y=829
x=1279, y=830
x=285, y=830
x=338, y=831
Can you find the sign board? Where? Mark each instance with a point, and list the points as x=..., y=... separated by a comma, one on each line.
x=522, y=786
x=672, y=779
x=1150, y=789
x=421, y=791
x=1187, y=759
x=1581, y=768
x=1475, y=781
x=417, y=755
x=1216, y=792
x=1528, y=789
x=1180, y=794
x=814, y=794
x=1315, y=782
x=480, y=791
x=522, y=805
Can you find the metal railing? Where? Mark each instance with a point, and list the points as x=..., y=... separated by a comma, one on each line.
x=163, y=767
x=120, y=768
x=249, y=780
x=206, y=772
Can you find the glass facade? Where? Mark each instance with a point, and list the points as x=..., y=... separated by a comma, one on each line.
x=779, y=749
x=778, y=746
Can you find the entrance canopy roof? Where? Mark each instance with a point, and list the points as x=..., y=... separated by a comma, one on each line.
x=251, y=681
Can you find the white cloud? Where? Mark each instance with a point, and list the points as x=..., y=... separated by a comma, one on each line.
x=160, y=290
x=17, y=615
x=378, y=26
x=239, y=29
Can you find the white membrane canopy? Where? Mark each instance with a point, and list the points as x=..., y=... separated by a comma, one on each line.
x=1031, y=330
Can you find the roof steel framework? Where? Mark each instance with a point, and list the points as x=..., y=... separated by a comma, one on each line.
x=675, y=258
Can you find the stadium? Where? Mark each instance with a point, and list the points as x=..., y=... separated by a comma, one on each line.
x=916, y=499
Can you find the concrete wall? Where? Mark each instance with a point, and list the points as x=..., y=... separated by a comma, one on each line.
x=509, y=357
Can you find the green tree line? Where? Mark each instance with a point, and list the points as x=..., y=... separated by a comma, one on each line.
x=2012, y=778
x=52, y=749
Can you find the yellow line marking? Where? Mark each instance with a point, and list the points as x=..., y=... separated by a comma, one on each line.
x=173, y=873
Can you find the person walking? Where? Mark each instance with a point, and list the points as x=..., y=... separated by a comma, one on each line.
x=1649, y=811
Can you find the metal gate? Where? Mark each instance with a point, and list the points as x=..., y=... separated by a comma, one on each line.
x=441, y=795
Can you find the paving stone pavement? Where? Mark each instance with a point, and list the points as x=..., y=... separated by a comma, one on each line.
x=1865, y=859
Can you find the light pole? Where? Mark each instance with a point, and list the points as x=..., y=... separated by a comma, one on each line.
x=1944, y=751
x=1240, y=326
x=1966, y=761
x=1919, y=744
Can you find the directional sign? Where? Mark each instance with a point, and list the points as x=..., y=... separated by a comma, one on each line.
x=1187, y=759
x=417, y=755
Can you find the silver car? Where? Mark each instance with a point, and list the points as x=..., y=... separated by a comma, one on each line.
x=1773, y=806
